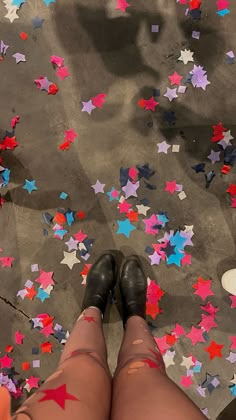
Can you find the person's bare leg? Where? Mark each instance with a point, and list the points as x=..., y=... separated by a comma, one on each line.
x=141, y=387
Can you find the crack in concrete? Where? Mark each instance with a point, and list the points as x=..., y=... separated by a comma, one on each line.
x=14, y=307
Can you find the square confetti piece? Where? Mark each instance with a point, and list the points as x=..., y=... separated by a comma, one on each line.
x=34, y=267
x=195, y=35
x=35, y=350
x=182, y=195
x=28, y=283
x=36, y=363
x=63, y=195
x=175, y=148
x=182, y=89
x=155, y=28
x=25, y=366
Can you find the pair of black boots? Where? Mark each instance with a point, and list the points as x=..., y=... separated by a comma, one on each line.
x=102, y=278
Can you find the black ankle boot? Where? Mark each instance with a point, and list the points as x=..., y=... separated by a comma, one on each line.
x=133, y=288
x=101, y=279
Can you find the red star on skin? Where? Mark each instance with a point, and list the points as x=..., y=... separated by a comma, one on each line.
x=31, y=292
x=65, y=145
x=99, y=100
x=46, y=347
x=233, y=301
x=150, y=363
x=232, y=189
x=58, y=395
x=233, y=203
x=207, y=322
x=80, y=236
x=195, y=335
x=6, y=362
x=203, y=288
x=88, y=319
x=122, y=5
x=132, y=216
x=233, y=339
x=141, y=103
x=152, y=310
x=186, y=381
x=175, y=79
x=171, y=339
x=47, y=331
x=45, y=279
x=70, y=135
x=19, y=338
x=195, y=4
x=222, y=4
x=162, y=344
x=6, y=261
x=186, y=260
x=214, y=350
x=124, y=207
x=32, y=382
x=133, y=173
x=62, y=72
x=170, y=186
x=212, y=310
x=150, y=104
x=178, y=331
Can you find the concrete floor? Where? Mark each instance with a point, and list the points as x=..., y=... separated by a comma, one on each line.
x=114, y=53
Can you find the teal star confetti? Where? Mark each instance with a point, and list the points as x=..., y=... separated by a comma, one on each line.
x=42, y=295
x=70, y=218
x=162, y=218
x=30, y=186
x=5, y=176
x=18, y=3
x=233, y=390
x=223, y=12
x=178, y=240
x=47, y=2
x=113, y=194
x=175, y=258
x=125, y=227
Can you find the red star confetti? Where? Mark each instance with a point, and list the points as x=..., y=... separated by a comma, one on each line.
x=122, y=5
x=233, y=340
x=9, y=349
x=46, y=347
x=32, y=382
x=232, y=190
x=6, y=362
x=99, y=100
x=59, y=218
x=195, y=335
x=141, y=103
x=81, y=215
x=225, y=169
x=152, y=310
x=15, y=121
x=31, y=292
x=58, y=395
x=6, y=261
x=53, y=89
x=70, y=135
x=195, y=4
x=171, y=339
x=218, y=131
x=150, y=104
x=132, y=216
x=19, y=338
x=8, y=143
x=171, y=186
x=65, y=145
x=233, y=301
x=175, y=79
x=214, y=350
x=186, y=381
x=203, y=288
x=24, y=36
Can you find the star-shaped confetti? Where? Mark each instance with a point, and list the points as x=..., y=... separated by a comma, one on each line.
x=19, y=57
x=232, y=357
x=130, y=189
x=163, y=147
x=186, y=56
x=142, y=209
x=196, y=335
x=186, y=381
x=171, y=186
x=88, y=107
x=98, y=187
x=150, y=104
x=70, y=259
x=187, y=362
x=214, y=349
x=175, y=79
x=125, y=227
x=203, y=288
x=169, y=358
x=214, y=156
x=47, y=2
x=113, y=194
x=171, y=94
x=32, y=382
x=30, y=186
x=19, y=338
x=211, y=382
x=72, y=244
x=62, y=72
x=6, y=261
x=37, y=22
x=45, y=279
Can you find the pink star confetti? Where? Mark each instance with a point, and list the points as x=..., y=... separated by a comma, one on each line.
x=203, y=288
x=195, y=335
x=122, y=5
x=62, y=72
x=6, y=261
